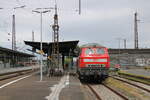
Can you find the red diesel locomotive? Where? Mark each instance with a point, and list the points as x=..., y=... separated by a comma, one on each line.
x=93, y=62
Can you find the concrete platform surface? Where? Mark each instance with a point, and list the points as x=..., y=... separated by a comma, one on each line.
x=28, y=87
x=76, y=91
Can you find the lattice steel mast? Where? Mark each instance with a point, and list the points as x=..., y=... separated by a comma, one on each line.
x=55, y=48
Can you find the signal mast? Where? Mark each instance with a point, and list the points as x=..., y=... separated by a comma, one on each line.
x=55, y=46
x=55, y=56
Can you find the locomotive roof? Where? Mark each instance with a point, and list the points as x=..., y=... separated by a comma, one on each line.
x=91, y=45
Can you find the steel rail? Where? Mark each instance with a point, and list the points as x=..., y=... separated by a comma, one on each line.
x=131, y=79
x=94, y=92
x=116, y=92
x=132, y=84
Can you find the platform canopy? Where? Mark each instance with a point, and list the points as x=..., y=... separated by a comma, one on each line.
x=10, y=51
x=65, y=47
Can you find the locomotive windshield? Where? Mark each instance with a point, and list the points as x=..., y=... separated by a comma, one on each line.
x=89, y=51
x=100, y=51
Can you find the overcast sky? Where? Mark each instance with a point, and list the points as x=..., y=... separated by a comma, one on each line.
x=101, y=21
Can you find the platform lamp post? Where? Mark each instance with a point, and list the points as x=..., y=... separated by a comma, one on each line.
x=14, y=28
x=41, y=57
x=14, y=34
x=1, y=8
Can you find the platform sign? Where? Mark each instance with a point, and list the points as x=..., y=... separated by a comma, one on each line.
x=41, y=52
x=49, y=57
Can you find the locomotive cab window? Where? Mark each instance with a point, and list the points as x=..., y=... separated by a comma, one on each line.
x=100, y=51
x=89, y=51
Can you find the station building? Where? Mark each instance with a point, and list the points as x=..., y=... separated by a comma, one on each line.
x=10, y=58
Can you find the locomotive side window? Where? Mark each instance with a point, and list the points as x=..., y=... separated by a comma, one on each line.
x=100, y=51
x=89, y=51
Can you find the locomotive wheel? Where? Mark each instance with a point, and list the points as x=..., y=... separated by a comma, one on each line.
x=81, y=78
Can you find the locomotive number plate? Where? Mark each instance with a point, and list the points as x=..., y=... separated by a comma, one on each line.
x=95, y=65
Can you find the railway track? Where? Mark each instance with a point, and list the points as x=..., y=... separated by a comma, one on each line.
x=15, y=74
x=135, y=84
x=95, y=90
x=130, y=78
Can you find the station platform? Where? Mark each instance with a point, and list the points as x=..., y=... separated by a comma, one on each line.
x=8, y=70
x=50, y=88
